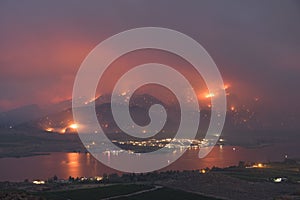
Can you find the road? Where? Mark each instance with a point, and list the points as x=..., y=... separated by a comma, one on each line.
x=134, y=193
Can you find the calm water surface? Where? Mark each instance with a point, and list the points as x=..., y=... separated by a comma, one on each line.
x=75, y=164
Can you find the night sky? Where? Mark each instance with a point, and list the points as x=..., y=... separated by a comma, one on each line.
x=255, y=44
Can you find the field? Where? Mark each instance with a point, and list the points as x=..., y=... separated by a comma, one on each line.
x=166, y=194
x=264, y=174
x=118, y=190
x=95, y=193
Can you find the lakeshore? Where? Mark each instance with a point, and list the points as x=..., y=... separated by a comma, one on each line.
x=276, y=180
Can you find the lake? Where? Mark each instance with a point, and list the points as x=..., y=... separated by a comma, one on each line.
x=80, y=164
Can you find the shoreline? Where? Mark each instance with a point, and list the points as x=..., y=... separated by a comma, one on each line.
x=84, y=151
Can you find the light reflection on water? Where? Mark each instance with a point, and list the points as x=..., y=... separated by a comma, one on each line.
x=79, y=164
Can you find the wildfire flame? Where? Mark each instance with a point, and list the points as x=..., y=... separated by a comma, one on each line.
x=74, y=126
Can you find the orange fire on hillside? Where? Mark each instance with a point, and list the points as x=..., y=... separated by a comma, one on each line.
x=70, y=129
